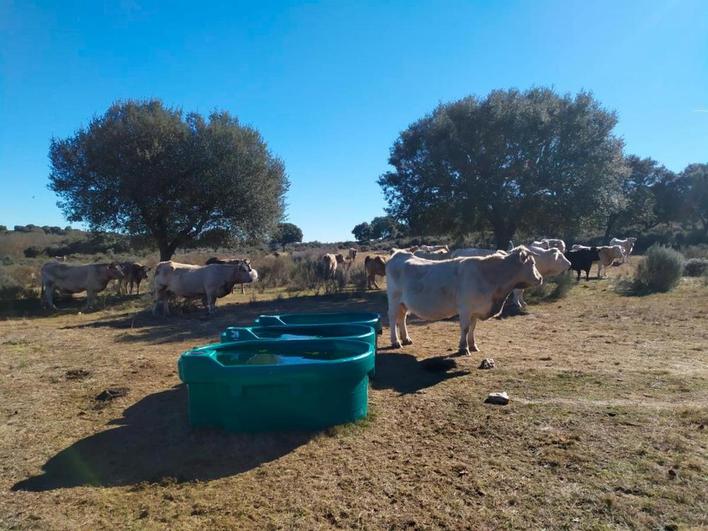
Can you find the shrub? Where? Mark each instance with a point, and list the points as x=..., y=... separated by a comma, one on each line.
x=695, y=267
x=696, y=251
x=11, y=289
x=660, y=270
x=357, y=276
x=552, y=289
x=274, y=272
x=33, y=252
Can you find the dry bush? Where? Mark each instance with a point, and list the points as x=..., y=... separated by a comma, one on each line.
x=274, y=271
x=695, y=267
x=16, y=283
x=696, y=251
x=660, y=271
x=552, y=289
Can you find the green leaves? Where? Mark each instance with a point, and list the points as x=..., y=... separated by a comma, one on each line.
x=529, y=160
x=145, y=169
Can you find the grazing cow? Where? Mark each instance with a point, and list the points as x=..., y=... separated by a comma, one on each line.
x=133, y=274
x=549, y=262
x=208, y=282
x=91, y=278
x=351, y=254
x=608, y=254
x=233, y=261
x=374, y=265
x=472, y=251
x=328, y=266
x=582, y=259
x=627, y=246
x=473, y=288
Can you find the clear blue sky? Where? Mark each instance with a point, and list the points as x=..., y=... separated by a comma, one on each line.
x=330, y=85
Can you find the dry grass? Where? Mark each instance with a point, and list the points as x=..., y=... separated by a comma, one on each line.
x=605, y=429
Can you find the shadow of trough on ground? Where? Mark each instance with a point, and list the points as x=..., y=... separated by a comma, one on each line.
x=153, y=442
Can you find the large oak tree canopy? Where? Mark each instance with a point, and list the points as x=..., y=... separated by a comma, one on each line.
x=146, y=169
x=514, y=160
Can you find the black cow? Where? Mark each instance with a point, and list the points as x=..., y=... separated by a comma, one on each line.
x=582, y=259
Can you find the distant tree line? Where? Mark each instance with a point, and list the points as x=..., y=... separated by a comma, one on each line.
x=46, y=229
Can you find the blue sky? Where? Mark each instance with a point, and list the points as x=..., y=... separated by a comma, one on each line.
x=330, y=85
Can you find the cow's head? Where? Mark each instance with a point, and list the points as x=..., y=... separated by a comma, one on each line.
x=528, y=274
x=244, y=273
x=143, y=272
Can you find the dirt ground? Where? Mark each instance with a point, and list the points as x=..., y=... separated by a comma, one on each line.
x=606, y=427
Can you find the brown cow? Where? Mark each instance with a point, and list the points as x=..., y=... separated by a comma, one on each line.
x=133, y=274
x=374, y=265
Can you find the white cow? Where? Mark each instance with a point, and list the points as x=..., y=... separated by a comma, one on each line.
x=627, y=246
x=208, y=282
x=473, y=288
x=91, y=278
x=549, y=262
x=328, y=266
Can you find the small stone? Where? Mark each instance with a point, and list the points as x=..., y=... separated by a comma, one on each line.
x=487, y=363
x=672, y=473
x=499, y=399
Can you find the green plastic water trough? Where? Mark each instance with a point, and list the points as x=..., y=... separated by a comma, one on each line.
x=367, y=318
x=269, y=385
x=299, y=332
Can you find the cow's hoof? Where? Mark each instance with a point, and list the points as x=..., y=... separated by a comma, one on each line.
x=474, y=348
x=463, y=352
x=408, y=341
x=396, y=345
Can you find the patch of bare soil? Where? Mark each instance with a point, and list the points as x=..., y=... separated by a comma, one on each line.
x=605, y=427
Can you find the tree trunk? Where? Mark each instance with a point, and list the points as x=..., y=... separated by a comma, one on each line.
x=611, y=221
x=166, y=250
x=502, y=236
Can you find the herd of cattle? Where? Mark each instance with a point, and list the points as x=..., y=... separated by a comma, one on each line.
x=432, y=282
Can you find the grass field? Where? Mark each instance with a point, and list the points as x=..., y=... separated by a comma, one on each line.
x=605, y=429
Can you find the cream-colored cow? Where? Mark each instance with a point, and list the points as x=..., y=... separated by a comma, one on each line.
x=473, y=288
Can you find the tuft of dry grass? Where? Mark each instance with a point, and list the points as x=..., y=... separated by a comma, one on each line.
x=606, y=427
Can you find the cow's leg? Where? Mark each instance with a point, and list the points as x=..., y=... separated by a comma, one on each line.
x=49, y=296
x=137, y=287
x=470, y=335
x=394, y=310
x=90, y=299
x=210, y=303
x=405, y=338
x=465, y=327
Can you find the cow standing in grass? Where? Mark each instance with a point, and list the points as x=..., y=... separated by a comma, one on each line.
x=208, y=282
x=133, y=274
x=68, y=278
x=235, y=261
x=473, y=288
